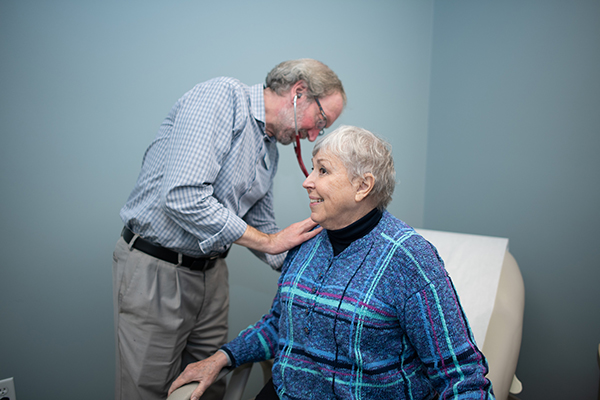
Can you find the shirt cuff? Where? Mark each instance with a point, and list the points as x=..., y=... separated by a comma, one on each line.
x=230, y=359
x=231, y=231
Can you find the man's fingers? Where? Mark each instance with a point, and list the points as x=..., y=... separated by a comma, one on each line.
x=313, y=233
x=308, y=228
x=300, y=228
x=309, y=223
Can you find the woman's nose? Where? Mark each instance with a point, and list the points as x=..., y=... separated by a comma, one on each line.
x=308, y=182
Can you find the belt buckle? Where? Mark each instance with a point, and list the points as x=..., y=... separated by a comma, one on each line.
x=205, y=264
x=199, y=265
x=211, y=261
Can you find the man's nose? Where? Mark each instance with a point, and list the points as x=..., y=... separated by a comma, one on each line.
x=313, y=134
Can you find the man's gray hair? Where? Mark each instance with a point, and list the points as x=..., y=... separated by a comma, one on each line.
x=321, y=80
x=361, y=151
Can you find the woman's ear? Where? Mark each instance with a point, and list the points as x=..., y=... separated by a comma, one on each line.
x=365, y=185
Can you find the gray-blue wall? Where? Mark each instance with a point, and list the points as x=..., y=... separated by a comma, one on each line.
x=84, y=87
x=492, y=109
x=514, y=144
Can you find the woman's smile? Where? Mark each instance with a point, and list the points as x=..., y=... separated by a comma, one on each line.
x=315, y=201
x=332, y=196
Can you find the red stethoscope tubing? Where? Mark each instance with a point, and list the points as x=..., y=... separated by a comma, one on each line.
x=299, y=155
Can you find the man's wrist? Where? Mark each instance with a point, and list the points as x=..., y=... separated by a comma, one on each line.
x=255, y=240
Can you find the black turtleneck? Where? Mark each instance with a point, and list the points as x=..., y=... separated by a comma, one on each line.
x=342, y=238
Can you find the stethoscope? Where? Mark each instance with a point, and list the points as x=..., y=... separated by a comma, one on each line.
x=297, y=143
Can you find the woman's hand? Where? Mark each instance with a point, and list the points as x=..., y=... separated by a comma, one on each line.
x=204, y=372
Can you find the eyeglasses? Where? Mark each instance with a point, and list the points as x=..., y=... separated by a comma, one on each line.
x=322, y=123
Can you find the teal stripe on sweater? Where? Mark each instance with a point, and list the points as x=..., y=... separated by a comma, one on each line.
x=442, y=318
x=391, y=383
x=333, y=303
x=289, y=347
x=382, y=266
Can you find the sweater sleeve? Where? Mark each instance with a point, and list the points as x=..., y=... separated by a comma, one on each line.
x=259, y=342
x=440, y=333
x=256, y=343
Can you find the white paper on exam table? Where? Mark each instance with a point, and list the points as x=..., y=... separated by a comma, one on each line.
x=474, y=263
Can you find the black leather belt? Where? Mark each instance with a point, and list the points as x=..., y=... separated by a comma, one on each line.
x=195, y=264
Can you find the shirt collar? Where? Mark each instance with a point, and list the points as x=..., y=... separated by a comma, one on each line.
x=257, y=106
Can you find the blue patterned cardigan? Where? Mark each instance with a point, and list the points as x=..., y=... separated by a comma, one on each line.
x=381, y=320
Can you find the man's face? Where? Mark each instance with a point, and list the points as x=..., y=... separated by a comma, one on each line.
x=284, y=128
x=309, y=116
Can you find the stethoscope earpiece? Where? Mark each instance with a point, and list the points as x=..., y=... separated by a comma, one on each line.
x=297, y=143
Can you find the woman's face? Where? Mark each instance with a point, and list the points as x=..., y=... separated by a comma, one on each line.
x=334, y=203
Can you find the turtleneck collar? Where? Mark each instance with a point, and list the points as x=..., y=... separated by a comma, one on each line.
x=342, y=238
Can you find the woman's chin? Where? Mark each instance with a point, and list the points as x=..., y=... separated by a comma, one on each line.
x=315, y=218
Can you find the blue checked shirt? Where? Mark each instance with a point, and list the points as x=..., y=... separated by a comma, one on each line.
x=208, y=173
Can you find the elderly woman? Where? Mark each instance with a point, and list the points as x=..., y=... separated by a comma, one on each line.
x=365, y=309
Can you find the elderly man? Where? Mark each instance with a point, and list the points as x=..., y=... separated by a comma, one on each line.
x=205, y=183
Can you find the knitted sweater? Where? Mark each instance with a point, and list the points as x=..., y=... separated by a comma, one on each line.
x=381, y=320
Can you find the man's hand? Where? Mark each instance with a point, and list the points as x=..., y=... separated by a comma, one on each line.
x=281, y=241
x=204, y=372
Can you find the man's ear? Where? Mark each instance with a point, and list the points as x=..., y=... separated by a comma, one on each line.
x=364, y=187
x=298, y=89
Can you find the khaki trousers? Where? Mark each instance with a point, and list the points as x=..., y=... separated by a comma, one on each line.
x=165, y=318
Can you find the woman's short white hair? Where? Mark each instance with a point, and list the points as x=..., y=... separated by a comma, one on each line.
x=361, y=152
